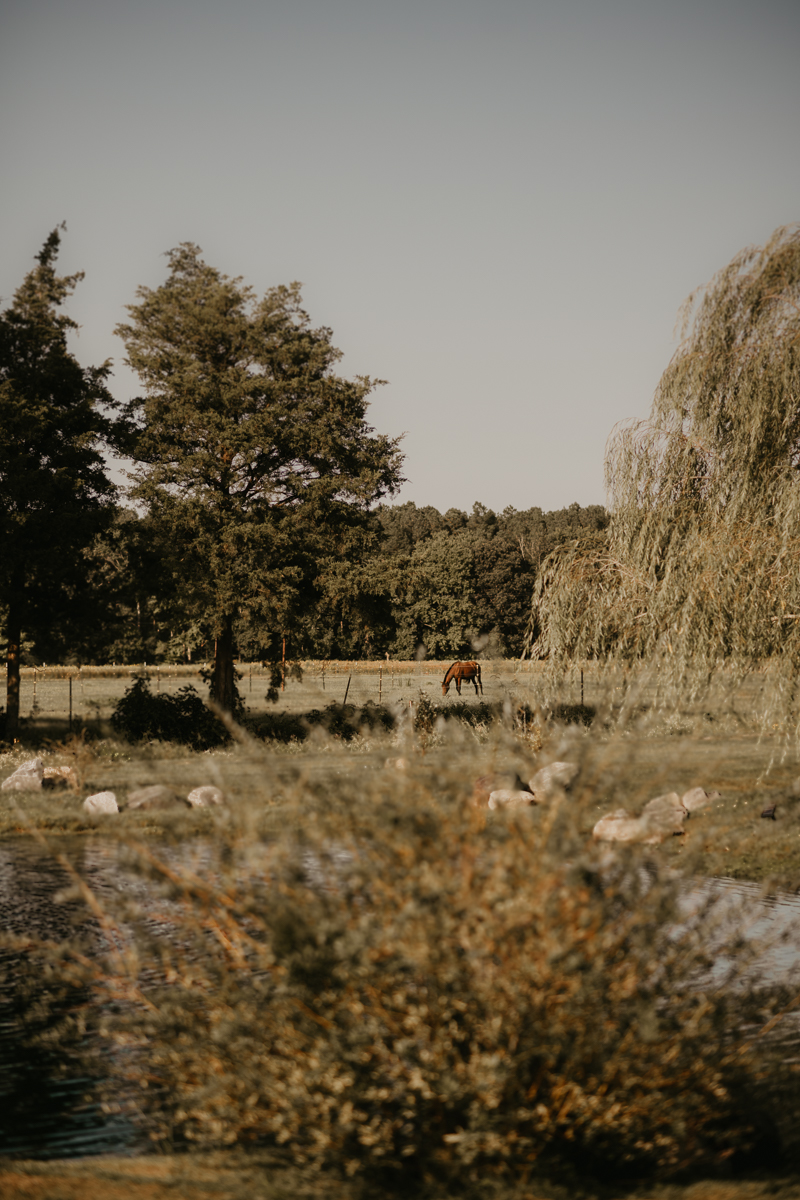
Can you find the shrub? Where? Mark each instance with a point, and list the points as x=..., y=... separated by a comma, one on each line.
x=407, y=992
x=182, y=717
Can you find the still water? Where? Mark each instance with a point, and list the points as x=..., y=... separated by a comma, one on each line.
x=44, y=1115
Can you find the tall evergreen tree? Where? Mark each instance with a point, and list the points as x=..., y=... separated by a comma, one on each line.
x=54, y=492
x=249, y=449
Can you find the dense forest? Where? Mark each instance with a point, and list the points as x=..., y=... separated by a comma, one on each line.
x=456, y=583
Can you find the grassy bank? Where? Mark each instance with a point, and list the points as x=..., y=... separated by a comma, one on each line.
x=752, y=770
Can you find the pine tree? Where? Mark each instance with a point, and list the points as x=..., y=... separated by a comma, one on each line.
x=249, y=449
x=54, y=492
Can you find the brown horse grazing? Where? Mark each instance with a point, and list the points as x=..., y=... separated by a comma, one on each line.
x=460, y=671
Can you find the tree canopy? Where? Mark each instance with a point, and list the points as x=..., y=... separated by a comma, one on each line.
x=701, y=564
x=55, y=495
x=249, y=449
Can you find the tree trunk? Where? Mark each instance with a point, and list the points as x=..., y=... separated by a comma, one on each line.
x=222, y=686
x=12, y=669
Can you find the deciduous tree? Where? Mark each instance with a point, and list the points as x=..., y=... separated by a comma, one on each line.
x=702, y=564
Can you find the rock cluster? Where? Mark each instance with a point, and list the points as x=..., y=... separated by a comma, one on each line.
x=32, y=776
x=557, y=776
x=659, y=819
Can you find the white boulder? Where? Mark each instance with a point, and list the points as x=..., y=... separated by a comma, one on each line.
x=101, y=803
x=549, y=778
x=666, y=813
x=26, y=778
x=202, y=797
x=661, y=818
x=697, y=798
x=620, y=826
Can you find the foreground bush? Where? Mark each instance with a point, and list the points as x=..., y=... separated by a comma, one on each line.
x=405, y=992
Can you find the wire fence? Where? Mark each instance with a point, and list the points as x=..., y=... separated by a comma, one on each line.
x=76, y=694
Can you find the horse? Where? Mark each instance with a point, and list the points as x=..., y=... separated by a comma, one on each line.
x=460, y=671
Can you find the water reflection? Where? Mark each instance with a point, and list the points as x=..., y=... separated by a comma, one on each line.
x=44, y=1114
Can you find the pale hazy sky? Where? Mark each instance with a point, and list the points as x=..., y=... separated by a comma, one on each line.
x=497, y=205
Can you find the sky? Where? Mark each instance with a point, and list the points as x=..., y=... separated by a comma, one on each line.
x=498, y=206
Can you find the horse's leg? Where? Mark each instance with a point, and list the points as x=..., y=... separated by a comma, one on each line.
x=475, y=684
x=458, y=684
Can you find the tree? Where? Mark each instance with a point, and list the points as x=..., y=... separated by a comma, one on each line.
x=54, y=493
x=701, y=563
x=249, y=449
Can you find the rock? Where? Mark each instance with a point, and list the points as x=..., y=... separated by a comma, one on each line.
x=620, y=826
x=154, y=796
x=697, y=798
x=769, y=813
x=101, y=803
x=665, y=813
x=509, y=798
x=498, y=782
x=549, y=778
x=60, y=777
x=202, y=797
x=660, y=818
x=396, y=764
x=26, y=778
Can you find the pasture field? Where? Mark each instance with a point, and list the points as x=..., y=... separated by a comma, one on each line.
x=45, y=691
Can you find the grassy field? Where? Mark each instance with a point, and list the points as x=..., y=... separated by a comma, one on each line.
x=45, y=691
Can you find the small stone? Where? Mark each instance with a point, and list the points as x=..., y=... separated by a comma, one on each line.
x=396, y=764
x=555, y=775
x=154, y=796
x=769, y=813
x=509, y=798
x=26, y=778
x=101, y=803
x=202, y=797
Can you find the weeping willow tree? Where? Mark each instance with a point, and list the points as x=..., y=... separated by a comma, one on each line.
x=701, y=568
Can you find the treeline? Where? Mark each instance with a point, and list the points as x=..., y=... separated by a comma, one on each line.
x=456, y=583
x=257, y=520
